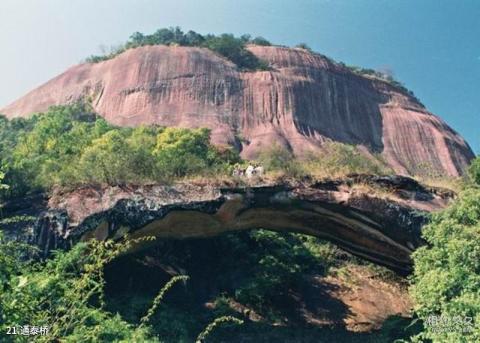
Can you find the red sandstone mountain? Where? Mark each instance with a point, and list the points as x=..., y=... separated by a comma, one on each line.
x=302, y=101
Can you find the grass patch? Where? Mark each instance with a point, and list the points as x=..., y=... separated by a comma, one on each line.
x=336, y=160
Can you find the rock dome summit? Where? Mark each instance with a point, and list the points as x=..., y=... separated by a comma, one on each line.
x=300, y=101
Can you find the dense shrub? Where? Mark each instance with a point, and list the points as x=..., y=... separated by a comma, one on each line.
x=109, y=159
x=343, y=159
x=65, y=294
x=281, y=160
x=226, y=45
x=234, y=49
x=257, y=268
x=278, y=262
x=70, y=145
x=474, y=171
x=380, y=76
x=336, y=159
x=446, y=281
x=229, y=46
x=304, y=46
x=260, y=41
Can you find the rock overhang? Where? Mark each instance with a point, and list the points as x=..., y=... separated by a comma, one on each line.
x=381, y=224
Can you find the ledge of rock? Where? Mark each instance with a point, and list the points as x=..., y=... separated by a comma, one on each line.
x=377, y=218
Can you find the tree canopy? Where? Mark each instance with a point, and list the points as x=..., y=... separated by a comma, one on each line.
x=226, y=45
x=446, y=281
x=474, y=171
x=69, y=145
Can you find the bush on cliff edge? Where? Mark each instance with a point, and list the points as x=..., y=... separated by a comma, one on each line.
x=446, y=280
x=70, y=145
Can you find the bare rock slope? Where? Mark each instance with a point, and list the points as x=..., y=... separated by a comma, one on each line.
x=304, y=100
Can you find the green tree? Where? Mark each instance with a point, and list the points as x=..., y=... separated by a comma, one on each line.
x=41, y=154
x=280, y=159
x=233, y=49
x=303, y=46
x=136, y=39
x=167, y=36
x=474, y=171
x=227, y=45
x=446, y=280
x=343, y=159
x=193, y=39
x=142, y=142
x=64, y=293
x=2, y=185
x=108, y=159
x=180, y=152
x=260, y=41
x=69, y=145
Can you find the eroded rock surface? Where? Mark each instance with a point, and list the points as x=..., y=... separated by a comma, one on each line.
x=378, y=218
x=304, y=100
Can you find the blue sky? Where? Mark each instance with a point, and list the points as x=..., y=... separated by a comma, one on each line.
x=433, y=46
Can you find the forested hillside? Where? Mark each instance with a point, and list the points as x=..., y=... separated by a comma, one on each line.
x=187, y=187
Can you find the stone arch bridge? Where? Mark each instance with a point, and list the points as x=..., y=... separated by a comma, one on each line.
x=376, y=218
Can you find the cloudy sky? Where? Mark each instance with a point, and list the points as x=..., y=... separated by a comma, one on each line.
x=433, y=46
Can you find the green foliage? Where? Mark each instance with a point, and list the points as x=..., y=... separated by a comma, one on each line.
x=69, y=145
x=304, y=46
x=109, y=54
x=278, y=263
x=229, y=46
x=258, y=269
x=474, y=171
x=44, y=151
x=218, y=321
x=226, y=45
x=336, y=159
x=234, y=267
x=343, y=159
x=108, y=159
x=2, y=185
x=446, y=281
x=158, y=299
x=64, y=293
x=281, y=160
x=10, y=131
x=234, y=49
x=181, y=152
x=386, y=77
x=260, y=41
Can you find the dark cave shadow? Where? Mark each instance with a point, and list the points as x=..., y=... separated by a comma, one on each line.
x=317, y=299
x=309, y=311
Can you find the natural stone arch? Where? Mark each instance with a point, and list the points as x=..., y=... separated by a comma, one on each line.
x=377, y=218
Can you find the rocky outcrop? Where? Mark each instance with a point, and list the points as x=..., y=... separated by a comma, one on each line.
x=304, y=100
x=377, y=218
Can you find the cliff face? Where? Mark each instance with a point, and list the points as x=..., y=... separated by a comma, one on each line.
x=301, y=102
x=384, y=230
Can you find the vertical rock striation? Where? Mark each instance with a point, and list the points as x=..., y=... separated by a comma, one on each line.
x=302, y=101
